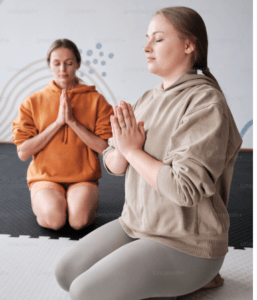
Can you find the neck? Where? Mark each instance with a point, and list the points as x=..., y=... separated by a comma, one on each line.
x=173, y=77
x=67, y=86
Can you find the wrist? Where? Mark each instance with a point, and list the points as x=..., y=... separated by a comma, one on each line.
x=72, y=122
x=57, y=125
x=118, y=154
x=129, y=154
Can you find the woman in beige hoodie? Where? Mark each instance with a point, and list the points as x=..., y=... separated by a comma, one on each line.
x=172, y=236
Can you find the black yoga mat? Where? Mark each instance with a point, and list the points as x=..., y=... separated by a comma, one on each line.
x=17, y=217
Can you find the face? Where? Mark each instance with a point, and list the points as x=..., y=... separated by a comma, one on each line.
x=165, y=51
x=63, y=65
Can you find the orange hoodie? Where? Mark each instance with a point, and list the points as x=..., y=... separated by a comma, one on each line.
x=65, y=158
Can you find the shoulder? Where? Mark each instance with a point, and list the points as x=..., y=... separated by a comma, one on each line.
x=101, y=99
x=29, y=100
x=33, y=98
x=205, y=95
x=145, y=96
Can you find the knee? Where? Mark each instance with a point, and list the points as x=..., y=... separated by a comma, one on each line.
x=53, y=221
x=80, y=291
x=80, y=223
x=60, y=272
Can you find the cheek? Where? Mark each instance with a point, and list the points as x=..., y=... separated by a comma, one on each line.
x=72, y=70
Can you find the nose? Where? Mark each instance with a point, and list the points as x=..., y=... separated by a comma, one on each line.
x=62, y=67
x=147, y=47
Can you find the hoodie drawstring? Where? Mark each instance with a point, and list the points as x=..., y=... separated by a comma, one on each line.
x=65, y=138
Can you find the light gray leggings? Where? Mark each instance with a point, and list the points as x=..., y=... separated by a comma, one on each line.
x=108, y=264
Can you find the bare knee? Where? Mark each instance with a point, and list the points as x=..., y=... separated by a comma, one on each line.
x=80, y=223
x=50, y=208
x=53, y=221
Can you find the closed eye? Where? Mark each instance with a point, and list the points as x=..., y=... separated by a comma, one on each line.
x=159, y=41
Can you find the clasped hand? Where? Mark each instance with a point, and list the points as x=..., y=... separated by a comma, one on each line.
x=127, y=134
x=65, y=114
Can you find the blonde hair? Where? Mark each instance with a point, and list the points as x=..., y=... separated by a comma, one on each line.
x=189, y=24
x=65, y=43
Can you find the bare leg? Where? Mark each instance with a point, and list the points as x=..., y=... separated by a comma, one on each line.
x=83, y=202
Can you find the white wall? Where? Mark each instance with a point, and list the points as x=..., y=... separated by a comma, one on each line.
x=28, y=27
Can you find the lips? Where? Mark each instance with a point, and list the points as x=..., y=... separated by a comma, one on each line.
x=150, y=58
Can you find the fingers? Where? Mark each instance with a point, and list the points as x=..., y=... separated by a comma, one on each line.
x=115, y=125
x=125, y=109
x=125, y=115
x=132, y=116
x=64, y=94
x=115, y=111
x=121, y=117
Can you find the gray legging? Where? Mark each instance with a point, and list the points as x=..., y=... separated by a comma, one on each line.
x=108, y=264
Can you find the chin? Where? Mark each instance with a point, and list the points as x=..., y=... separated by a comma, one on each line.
x=153, y=69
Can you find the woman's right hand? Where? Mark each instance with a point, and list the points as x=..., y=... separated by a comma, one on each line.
x=61, y=113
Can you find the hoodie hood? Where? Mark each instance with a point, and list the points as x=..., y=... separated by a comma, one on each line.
x=189, y=79
x=79, y=88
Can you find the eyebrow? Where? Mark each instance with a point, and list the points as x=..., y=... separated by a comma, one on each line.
x=65, y=59
x=154, y=32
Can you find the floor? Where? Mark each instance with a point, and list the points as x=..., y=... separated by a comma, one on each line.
x=27, y=265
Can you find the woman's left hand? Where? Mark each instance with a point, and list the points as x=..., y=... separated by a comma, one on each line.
x=131, y=137
x=68, y=108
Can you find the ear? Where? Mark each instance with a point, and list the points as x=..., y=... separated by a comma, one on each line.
x=189, y=46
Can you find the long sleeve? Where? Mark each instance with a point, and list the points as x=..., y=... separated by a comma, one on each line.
x=195, y=157
x=23, y=127
x=103, y=123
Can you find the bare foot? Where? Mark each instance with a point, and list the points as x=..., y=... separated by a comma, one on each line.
x=215, y=282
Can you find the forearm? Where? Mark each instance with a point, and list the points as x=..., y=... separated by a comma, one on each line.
x=116, y=162
x=147, y=166
x=36, y=143
x=91, y=140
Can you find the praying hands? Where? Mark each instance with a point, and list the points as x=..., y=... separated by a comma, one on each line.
x=128, y=136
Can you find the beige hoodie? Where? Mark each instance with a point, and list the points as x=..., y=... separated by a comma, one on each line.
x=190, y=128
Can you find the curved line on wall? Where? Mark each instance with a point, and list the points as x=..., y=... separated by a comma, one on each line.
x=17, y=74
x=246, y=127
x=12, y=111
x=17, y=96
x=46, y=68
x=104, y=83
x=13, y=89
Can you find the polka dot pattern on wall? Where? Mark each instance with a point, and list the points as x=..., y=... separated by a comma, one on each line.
x=95, y=61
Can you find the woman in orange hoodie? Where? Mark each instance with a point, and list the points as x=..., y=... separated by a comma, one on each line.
x=64, y=127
